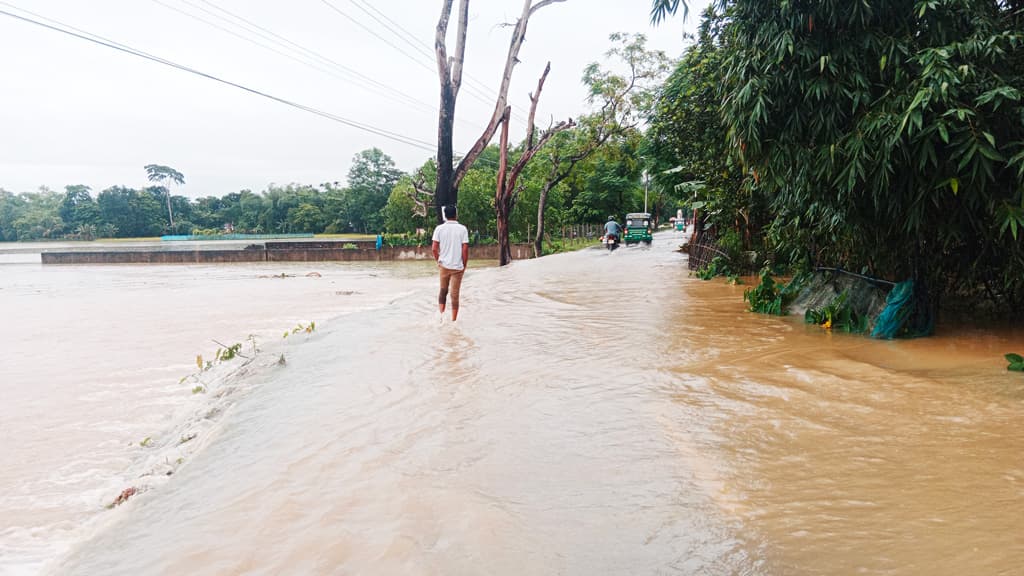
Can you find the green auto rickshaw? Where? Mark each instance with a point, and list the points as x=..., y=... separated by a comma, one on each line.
x=638, y=228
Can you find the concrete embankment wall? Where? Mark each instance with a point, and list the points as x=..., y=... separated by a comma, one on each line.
x=274, y=252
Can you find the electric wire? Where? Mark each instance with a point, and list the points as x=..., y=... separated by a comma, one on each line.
x=279, y=40
x=482, y=97
x=376, y=87
x=100, y=40
x=411, y=39
x=107, y=42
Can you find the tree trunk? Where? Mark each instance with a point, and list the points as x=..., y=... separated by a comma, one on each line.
x=449, y=176
x=502, y=196
x=444, y=191
x=505, y=194
x=450, y=74
x=542, y=202
x=170, y=215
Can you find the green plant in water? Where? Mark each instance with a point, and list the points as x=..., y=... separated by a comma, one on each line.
x=1016, y=362
x=307, y=328
x=229, y=352
x=837, y=315
x=767, y=298
x=716, y=267
x=146, y=441
x=199, y=389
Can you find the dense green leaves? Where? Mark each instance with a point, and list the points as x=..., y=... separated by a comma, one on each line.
x=886, y=137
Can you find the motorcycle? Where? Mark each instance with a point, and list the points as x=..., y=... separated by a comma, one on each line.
x=611, y=241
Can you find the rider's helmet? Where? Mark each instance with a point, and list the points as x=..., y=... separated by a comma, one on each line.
x=611, y=218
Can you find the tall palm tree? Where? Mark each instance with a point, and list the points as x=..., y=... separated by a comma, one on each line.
x=165, y=175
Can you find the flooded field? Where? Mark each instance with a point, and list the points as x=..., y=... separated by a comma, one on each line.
x=590, y=413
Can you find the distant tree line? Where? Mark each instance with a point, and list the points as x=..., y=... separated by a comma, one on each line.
x=378, y=198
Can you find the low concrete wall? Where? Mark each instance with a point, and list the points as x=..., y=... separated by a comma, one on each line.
x=276, y=252
x=154, y=257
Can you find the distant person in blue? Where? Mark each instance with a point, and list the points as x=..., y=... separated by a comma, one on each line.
x=450, y=247
x=380, y=241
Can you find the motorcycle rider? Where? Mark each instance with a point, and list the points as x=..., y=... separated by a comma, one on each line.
x=612, y=229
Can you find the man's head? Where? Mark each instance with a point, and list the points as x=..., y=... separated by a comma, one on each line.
x=451, y=212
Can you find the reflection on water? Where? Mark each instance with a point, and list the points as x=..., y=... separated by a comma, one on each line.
x=596, y=413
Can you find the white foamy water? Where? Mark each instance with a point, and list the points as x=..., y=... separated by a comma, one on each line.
x=91, y=368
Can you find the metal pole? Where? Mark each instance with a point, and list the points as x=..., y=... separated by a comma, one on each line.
x=647, y=181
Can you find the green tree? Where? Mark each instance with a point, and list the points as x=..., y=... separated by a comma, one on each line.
x=621, y=100
x=38, y=215
x=166, y=176
x=305, y=218
x=11, y=208
x=400, y=214
x=130, y=212
x=686, y=146
x=370, y=180
x=887, y=135
x=78, y=208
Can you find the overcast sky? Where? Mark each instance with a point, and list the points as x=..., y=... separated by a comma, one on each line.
x=72, y=112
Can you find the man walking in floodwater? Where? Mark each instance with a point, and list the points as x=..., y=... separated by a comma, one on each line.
x=450, y=247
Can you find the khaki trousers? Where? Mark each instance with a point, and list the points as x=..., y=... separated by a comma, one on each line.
x=452, y=279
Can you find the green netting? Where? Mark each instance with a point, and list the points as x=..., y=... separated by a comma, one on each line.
x=903, y=315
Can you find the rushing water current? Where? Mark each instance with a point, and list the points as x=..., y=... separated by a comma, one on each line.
x=590, y=413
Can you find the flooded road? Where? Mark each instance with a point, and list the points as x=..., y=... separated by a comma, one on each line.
x=594, y=413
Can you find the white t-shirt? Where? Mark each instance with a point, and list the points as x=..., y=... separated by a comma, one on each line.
x=451, y=236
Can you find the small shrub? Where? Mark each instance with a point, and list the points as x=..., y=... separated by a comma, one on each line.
x=731, y=243
x=1016, y=362
x=718, y=266
x=837, y=315
x=229, y=352
x=307, y=328
x=767, y=298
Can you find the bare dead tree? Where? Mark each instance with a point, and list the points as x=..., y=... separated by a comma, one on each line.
x=507, y=192
x=449, y=68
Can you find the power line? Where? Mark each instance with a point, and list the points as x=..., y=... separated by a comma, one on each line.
x=476, y=93
x=348, y=74
x=411, y=39
x=97, y=39
x=279, y=40
x=390, y=25
x=378, y=36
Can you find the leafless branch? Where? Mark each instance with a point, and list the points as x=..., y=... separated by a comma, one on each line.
x=422, y=198
x=516, y=42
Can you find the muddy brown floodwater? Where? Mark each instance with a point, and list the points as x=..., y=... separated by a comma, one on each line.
x=596, y=413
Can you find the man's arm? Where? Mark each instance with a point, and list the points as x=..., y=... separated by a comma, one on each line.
x=435, y=249
x=465, y=255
